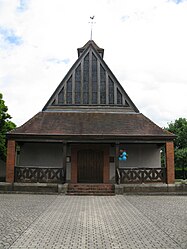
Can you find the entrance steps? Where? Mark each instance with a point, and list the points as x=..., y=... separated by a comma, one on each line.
x=90, y=189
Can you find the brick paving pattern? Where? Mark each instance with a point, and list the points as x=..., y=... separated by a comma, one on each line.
x=17, y=213
x=170, y=216
x=94, y=222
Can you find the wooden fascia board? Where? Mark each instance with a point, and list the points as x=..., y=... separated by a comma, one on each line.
x=112, y=138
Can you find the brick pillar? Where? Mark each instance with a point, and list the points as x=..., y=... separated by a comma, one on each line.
x=170, y=167
x=10, y=162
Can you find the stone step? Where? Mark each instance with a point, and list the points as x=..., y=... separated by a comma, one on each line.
x=91, y=189
x=90, y=194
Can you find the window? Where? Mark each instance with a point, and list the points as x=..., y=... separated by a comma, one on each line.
x=86, y=80
x=119, y=97
x=102, y=85
x=78, y=85
x=69, y=91
x=111, y=91
x=61, y=97
x=94, y=79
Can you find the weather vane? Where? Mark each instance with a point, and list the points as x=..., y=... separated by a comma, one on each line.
x=91, y=22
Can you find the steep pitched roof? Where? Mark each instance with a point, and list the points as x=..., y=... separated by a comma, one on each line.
x=90, y=102
x=90, y=82
x=91, y=42
x=101, y=125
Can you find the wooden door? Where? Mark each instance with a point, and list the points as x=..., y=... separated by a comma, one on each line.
x=90, y=166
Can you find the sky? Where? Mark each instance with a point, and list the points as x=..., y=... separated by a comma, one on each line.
x=145, y=44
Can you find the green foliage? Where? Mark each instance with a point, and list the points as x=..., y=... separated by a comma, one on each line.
x=179, y=128
x=181, y=158
x=5, y=126
x=181, y=173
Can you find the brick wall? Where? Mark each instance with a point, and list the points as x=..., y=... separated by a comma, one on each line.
x=170, y=168
x=10, y=163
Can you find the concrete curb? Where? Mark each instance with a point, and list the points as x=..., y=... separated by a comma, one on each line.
x=166, y=189
x=122, y=189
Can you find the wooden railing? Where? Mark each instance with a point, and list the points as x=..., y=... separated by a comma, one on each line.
x=39, y=174
x=141, y=175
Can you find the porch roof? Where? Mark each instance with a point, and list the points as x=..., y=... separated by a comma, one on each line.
x=72, y=124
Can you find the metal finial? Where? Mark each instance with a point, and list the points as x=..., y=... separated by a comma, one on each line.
x=91, y=22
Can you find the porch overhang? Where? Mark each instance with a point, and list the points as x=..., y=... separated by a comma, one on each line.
x=89, y=138
x=90, y=126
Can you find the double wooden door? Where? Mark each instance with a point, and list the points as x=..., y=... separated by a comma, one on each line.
x=90, y=166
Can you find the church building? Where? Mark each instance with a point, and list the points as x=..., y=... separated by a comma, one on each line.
x=78, y=136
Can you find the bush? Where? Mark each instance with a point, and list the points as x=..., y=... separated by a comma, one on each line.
x=180, y=173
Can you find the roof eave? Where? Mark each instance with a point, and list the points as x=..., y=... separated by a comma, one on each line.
x=24, y=136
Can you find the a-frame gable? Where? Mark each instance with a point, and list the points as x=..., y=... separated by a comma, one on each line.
x=90, y=82
x=58, y=97
x=115, y=90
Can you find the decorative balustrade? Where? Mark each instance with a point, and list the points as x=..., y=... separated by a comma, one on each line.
x=141, y=175
x=40, y=174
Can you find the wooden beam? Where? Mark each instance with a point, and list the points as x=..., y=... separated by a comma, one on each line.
x=64, y=158
x=117, y=155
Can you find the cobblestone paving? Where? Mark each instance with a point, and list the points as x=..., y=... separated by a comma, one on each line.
x=170, y=215
x=94, y=222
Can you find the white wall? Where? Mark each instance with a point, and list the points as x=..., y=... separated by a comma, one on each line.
x=141, y=155
x=41, y=154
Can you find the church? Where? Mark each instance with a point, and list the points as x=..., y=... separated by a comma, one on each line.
x=78, y=136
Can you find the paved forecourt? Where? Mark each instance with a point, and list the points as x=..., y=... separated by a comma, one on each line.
x=80, y=222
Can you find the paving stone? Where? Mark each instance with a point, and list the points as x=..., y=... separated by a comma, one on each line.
x=96, y=222
x=169, y=213
x=17, y=212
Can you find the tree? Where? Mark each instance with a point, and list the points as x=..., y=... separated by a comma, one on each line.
x=5, y=126
x=179, y=128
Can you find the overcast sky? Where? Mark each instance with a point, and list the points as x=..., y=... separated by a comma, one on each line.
x=145, y=44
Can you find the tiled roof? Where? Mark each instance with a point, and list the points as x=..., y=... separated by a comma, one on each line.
x=91, y=124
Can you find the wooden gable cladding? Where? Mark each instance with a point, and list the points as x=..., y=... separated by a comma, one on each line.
x=97, y=48
x=90, y=83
